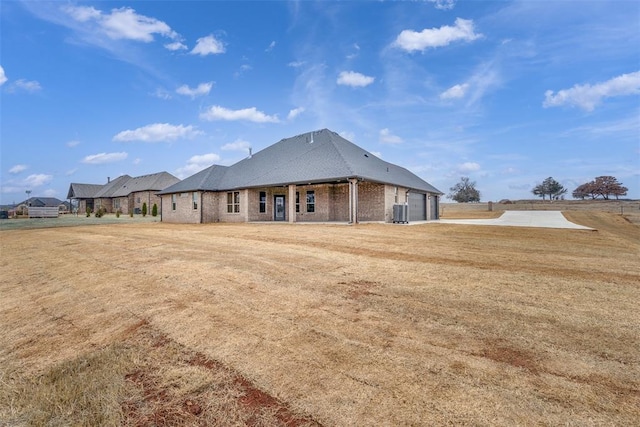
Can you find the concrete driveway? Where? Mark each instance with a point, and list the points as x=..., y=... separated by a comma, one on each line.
x=543, y=219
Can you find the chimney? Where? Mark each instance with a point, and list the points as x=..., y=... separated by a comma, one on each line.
x=108, y=179
x=250, y=152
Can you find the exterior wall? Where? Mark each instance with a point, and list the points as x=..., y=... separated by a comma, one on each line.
x=339, y=202
x=104, y=202
x=137, y=199
x=371, y=201
x=184, y=212
x=393, y=195
x=121, y=203
x=241, y=216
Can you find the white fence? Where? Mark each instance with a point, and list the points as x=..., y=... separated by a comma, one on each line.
x=43, y=212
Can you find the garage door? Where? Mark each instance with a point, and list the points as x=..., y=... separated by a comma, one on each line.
x=417, y=207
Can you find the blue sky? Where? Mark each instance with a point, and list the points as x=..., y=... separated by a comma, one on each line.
x=506, y=93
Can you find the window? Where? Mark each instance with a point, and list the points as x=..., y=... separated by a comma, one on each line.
x=311, y=201
x=297, y=201
x=233, y=202
x=263, y=202
x=173, y=202
x=116, y=204
x=195, y=200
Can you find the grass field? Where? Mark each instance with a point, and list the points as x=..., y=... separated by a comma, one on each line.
x=146, y=323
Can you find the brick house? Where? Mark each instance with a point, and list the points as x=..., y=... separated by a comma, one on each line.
x=314, y=177
x=124, y=193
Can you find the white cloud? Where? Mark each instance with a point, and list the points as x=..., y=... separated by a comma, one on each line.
x=271, y=46
x=377, y=154
x=29, y=86
x=587, y=96
x=73, y=143
x=50, y=193
x=196, y=164
x=208, y=45
x=468, y=167
x=296, y=64
x=349, y=136
x=3, y=77
x=71, y=172
x=410, y=40
x=175, y=46
x=443, y=4
x=162, y=94
x=98, y=159
x=37, y=180
x=17, y=169
x=455, y=92
x=158, y=132
x=351, y=78
x=250, y=114
x=237, y=145
x=137, y=161
x=202, y=89
x=295, y=113
x=386, y=137
x=122, y=23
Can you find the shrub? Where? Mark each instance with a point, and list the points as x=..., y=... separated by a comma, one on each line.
x=100, y=212
x=154, y=210
x=131, y=214
x=88, y=211
x=118, y=212
x=144, y=209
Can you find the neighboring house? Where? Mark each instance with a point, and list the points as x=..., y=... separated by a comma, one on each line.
x=317, y=176
x=124, y=193
x=42, y=202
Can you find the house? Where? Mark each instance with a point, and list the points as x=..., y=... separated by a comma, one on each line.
x=124, y=194
x=22, y=208
x=314, y=177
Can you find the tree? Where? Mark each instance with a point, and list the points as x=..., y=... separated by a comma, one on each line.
x=603, y=186
x=549, y=186
x=144, y=209
x=154, y=210
x=464, y=191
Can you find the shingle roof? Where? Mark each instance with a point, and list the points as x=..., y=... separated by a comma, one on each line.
x=111, y=187
x=43, y=202
x=314, y=157
x=153, y=182
x=83, y=191
x=122, y=186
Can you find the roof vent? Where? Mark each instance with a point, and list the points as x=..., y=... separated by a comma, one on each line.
x=311, y=140
x=250, y=154
x=366, y=155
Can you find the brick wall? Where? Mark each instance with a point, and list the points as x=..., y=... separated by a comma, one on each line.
x=371, y=201
x=184, y=211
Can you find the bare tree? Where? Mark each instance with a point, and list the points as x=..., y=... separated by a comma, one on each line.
x=464, y=191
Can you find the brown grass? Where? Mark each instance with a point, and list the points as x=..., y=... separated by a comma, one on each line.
x=158, y=324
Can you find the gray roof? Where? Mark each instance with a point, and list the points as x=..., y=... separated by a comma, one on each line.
x=83, y=191
x=122, y=186
x=153, y=182
x=111, y=187
x=42, y=202
x=314, y=157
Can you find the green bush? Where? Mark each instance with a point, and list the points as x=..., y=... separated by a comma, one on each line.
x=154, y=210
x=131, y=214
x=144, y=209
x=118, y=212
x=100, y=212
x=88, y=211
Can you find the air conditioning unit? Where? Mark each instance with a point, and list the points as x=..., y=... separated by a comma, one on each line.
x=400, y=214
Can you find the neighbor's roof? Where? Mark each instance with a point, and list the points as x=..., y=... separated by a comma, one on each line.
x=122, y=186
x=42, y=202
x=314, y=157
x=83, y=191
x=153, y=182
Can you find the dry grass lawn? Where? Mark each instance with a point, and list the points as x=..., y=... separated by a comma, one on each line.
x=278, y=324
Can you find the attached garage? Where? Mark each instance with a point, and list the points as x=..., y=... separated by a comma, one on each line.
x=417, y=207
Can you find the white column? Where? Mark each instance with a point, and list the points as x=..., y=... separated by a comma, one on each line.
x=292, y=203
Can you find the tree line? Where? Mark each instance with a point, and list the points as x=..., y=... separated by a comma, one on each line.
x=602, y=186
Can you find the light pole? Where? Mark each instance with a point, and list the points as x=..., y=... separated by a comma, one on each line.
x=27, y=201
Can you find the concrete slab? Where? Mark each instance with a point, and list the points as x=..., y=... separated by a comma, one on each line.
x=542, y=219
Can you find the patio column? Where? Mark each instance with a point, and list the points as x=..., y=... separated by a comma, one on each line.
x=292, y=202
x=353, y=200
